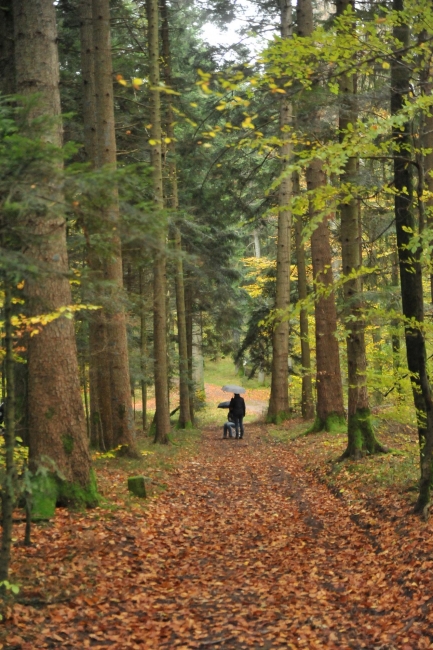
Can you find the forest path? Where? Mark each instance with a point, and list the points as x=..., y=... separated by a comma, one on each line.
x=245, y=549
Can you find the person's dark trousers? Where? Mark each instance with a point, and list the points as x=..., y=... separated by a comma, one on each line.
x=239, y=425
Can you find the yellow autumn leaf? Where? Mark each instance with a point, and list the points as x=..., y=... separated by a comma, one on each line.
x=247, y=123
x=136, y=82
x=167, y=140
x=165, y=89
x=385, y=65
x=153, y=142
x=122, y=82
x=194, y=104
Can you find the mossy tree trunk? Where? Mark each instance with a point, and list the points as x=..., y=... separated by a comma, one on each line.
x=116, y=352
x=361, y=437
x=410, y=266
x=184, y=421
x=278, y=409
x=162, y=415
x=57, y=427
x=307, y=401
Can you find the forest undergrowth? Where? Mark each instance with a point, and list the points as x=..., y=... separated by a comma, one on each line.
x=260, y=543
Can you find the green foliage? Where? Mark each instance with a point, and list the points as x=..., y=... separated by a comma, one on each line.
x=21, y=454
x=9, y=586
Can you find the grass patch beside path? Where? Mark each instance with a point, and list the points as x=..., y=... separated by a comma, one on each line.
x=372, y=477
x=156, y=461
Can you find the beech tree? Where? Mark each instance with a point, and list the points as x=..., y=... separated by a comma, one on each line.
x=361, y=438
x=409, y=260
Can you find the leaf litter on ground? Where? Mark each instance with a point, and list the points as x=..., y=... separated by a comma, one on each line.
x=251, y=545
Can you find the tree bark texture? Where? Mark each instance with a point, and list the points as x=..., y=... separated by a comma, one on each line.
x=7, y=49
x=9, y=482
x=115, y=321
x=330, y=408
x=279, y=398
x=361, y=438
x=159, y=269
x=101, y=424
x=56, y=417
x=307, y=401
x=189, y=329
x=395, y=327
x=410, y=267
x=184, y=402
x=426, y=79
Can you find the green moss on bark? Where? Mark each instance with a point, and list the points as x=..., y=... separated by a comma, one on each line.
x=68, y=444
x=71, y=494
x=279, y=417
x=49, y=491
x=334, y=423
x=186, y=425
x=361, y=437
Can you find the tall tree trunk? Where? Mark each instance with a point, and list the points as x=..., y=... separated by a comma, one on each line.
x=361, y=438
x=9, y=481
x=426, y=79
x=330, y=408
x=395, y=328
x=410, y=267
x=101, y=422
x=307, y=402
x=115, y=321
x=189, y=328
x=162, y=415
x=184, y=421
x=57, y=424
x=143, y=352
x=7, y=47
x=279, y=399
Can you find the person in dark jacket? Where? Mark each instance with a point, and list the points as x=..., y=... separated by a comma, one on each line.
x=237, y=407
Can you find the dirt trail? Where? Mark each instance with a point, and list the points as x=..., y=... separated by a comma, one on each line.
x=243, y=550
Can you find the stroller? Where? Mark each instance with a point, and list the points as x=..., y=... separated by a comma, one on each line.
x=229, y=430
